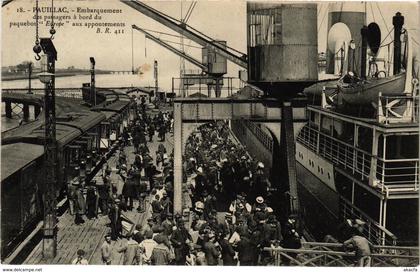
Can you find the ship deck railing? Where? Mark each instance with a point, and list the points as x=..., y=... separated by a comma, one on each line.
x=62, y=92
x=394, y=176
x=398, y=109
x=336, y=254
x=375, y=233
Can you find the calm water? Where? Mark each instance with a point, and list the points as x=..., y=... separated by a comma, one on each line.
x=77, y=81
x=70, y=82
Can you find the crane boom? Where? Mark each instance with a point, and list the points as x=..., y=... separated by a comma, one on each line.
x=190, y=33
x=172, y=49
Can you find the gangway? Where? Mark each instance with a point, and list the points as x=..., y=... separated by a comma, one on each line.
x=196, y=36
x=335, y=254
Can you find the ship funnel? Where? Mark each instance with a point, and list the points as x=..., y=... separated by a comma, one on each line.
x=374, y=38
x=339, y=38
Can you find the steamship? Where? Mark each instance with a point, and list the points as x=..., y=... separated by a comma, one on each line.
x=360, y=160
x=354, y=159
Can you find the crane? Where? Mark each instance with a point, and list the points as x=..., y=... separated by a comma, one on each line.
x=196, y=36
x=213, y=80
x=172, y=49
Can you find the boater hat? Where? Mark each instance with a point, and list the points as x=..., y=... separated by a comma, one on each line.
x=260, y=200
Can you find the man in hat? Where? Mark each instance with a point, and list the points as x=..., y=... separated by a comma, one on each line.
x=211, y=250
x=245, y=250
x=166, y=205
x=71, y=196
x=148, y=227
x=147, y=246
x=191, y=258
x=104, y=193
x=180, y=238
x=115, y=218
x=106, y=250
x=228, y=254
x=80, y=259
x=131, y=251
x=361, y=246
x=168, y=225
x=92, y=201
x=157, y=209
x=80, y=204
x=129, y=190
x=161, y=254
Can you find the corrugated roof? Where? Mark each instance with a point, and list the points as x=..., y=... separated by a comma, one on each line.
x=16, y=156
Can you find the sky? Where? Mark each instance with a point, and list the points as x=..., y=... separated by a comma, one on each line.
x=224, y=20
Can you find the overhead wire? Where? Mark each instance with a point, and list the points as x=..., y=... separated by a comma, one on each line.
x=373, y=14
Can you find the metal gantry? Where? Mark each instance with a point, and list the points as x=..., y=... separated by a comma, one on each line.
x=49, y=245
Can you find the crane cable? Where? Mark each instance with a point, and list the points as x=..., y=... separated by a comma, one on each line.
x=52, y=30
x=132, y=51
x=189, y=12
x=37, y=48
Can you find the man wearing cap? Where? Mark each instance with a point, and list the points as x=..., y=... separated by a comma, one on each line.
x=211, y=250
x=361, y=246
x=180, y=238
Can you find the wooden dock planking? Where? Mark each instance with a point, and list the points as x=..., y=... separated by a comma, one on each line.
x=90, y=235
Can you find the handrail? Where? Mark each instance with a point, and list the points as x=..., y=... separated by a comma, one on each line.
x=335, y=254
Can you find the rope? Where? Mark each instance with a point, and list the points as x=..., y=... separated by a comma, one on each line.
x=380, y=12
x=163, y=33
x=389, y=33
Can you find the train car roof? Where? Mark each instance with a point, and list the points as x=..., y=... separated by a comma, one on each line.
x=73, y=119
x=16, y=156
x=116, y=106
